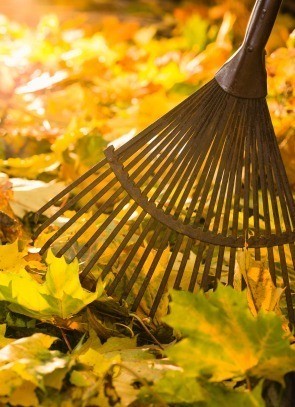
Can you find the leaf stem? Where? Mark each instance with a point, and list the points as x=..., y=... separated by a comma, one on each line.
x=66, y=340
x=147, y=330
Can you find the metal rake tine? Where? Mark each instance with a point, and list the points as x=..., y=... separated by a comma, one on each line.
x=177, y=113
x=255, y=188
x=69, y=188
x=235, y=186
x=147, y=228
x=189, y=243
x=123, y=244
x=84, y=208
x=164, y=281
x=164, y=240
x=90, y=221
x=268, y=175
x=95, y=236
x=230, y=174
x=151, y=272
x=87, y=189
x=147, y=251
x=286, y=281
x=148, y=277
x=97, y=255
x=206, y=181
x=73, y=201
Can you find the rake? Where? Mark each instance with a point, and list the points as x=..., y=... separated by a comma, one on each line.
x=189, y=192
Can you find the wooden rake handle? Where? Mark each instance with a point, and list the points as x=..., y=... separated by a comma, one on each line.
x=244, y=74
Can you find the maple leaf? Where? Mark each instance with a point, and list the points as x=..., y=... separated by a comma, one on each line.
x=176, y=388
x=222, y=340
x=60, y=296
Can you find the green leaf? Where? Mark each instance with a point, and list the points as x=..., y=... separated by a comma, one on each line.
x=222, y=340
x=60, y=296
x=26, y=364
x=220, y=396
x=176, y=388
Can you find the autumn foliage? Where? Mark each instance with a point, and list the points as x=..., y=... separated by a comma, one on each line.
x=68, y=88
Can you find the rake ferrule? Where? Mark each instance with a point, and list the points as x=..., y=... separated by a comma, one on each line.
x=244, y=74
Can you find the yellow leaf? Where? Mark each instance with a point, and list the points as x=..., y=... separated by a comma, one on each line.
x=10, y=258
x=24, y=395
x=29, y=167
x=4, y=341
x=61, y=295
x=262, y=294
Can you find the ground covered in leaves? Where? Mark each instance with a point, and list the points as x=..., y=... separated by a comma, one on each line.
x=68, y=88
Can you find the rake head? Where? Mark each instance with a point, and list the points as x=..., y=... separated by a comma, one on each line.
x=177, y=204
x=190, y=191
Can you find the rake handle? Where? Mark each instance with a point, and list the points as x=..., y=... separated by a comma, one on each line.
x=261, y=22
x=244, y=74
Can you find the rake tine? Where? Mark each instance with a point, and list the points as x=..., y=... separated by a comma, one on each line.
x=69, y=188
x=166, y=276
x=283, y=176
x=86, y=207
x=268, y=176
x=255, y=187
x=285, y=276
x=144, y=285
x=219, y=265
x=198, y=260
x=235, y=185
x=166, y=237
x=107, y=242
x=122, y=245
x=225, y=172
x=150, y=224
x=178, y=111
x=209, y=258
x=95, y=182
x=180, y=157
x=150, y=246
x=146, y=253
x=71, y=221
x=98, y=232
x=148, y=188
x=183, y=263
x=154, y=237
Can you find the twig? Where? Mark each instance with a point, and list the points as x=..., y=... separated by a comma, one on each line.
x=147, y=330
x=66, y=340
